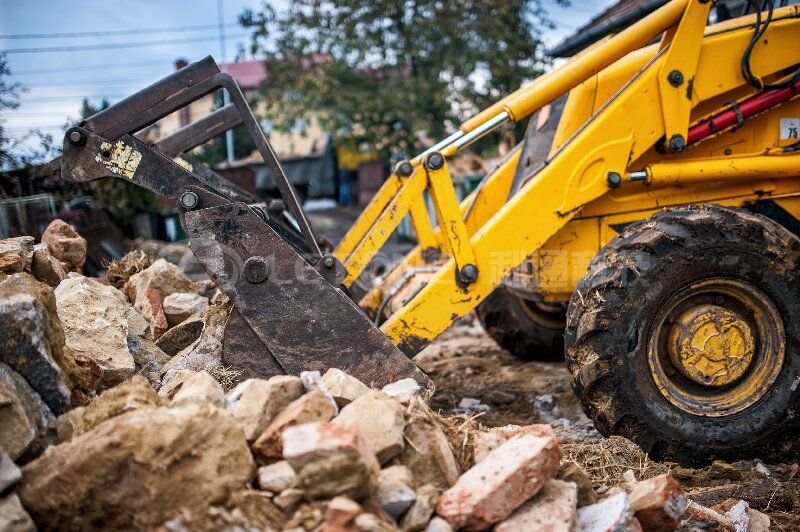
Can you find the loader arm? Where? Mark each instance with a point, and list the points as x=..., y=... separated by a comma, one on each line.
x=692, y=67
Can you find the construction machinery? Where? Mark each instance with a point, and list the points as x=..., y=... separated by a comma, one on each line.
x=650, y=216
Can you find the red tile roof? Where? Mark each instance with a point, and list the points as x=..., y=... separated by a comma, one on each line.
x=248, y=74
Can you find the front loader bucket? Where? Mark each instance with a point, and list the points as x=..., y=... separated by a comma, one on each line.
x=290, y=312
x=287, y=317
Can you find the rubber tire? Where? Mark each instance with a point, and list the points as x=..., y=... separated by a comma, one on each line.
x=504, y=319
x=609, y=316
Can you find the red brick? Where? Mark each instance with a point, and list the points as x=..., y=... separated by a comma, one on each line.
x=486, y=441
x=658, y=502
x=553, y=509
x=509, y=475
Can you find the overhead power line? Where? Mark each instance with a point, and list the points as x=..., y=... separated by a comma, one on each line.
x=84, y=82
x=139, y=31
x=113, y=46
x=72, y=98
x=83, y=68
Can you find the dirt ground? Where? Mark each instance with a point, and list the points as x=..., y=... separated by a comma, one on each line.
x=477, y=379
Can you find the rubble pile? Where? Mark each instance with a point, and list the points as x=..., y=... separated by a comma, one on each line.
x=116, y=412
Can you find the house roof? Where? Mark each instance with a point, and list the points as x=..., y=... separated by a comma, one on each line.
x=612, y=20
x=248, y=74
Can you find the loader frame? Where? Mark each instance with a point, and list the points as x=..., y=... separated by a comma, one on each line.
x=628, y=154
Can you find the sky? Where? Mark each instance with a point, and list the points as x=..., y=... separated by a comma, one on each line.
x=132, y=43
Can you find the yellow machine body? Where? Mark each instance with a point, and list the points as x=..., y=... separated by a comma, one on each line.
x=621, y=107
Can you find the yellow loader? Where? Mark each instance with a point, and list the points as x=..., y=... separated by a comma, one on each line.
x=647, y=225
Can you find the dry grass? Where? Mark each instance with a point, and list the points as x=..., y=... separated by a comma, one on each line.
x=606, y=460
x=226, y=377
x=459, y=429
x=119, y=271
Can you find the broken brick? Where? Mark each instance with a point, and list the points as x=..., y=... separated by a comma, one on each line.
x=312, y=407
x=330, y=460
x=658, y=502
x=552, y=509
x=493, y=488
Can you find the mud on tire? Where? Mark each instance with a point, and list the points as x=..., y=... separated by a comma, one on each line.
x=613, y=311
x=514, y=327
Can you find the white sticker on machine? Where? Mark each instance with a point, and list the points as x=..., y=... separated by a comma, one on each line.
x=790, y=128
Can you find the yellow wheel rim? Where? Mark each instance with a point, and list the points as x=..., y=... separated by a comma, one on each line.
x=716, y=347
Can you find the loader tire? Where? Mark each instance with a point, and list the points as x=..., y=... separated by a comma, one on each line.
x=684, y=336
x=524, y=329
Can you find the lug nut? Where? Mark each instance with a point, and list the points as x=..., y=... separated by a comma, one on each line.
x=328, y=262
x=469, y=273
x=614, y=180
x=189, y=200
x=256, y=270
x=435, y=161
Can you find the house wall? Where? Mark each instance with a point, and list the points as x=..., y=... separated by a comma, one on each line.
x=307, y=138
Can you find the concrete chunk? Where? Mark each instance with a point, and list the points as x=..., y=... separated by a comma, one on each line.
x=134, y=470
x=254, y=403
x=200, y=388
x=342, y=387
x=128, y=396
x=428, y=454
x=486, y=441
x=162, y=276
x=32, y=337
x=180, y=306
x=509, y=475
x=312, y=407
x=16, y=254
x=612, y=514
x=394, y=494
x=552, y=509
x=330, y=460
x=181, y=336
x=340, y=515
x=65, y=244
x=288, y=500
x=96, y=323
x=658, y=502
x=9, y=472
x=380, y=420
x=418, y=516
x=276, y=477
x=45, y=267
x=403, y=390
x=26, y=423
x=437, y=524
x=13, y=517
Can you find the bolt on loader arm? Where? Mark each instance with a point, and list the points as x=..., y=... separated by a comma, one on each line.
x=290, y=313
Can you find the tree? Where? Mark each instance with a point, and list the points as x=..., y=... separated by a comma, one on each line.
x=16, y=152
x=382, y=72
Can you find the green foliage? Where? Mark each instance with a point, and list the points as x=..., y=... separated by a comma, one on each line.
x=380, y=73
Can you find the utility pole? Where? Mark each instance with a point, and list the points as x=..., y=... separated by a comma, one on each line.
x=225, y=96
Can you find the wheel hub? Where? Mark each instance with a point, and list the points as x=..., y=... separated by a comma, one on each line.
x=711, y=345
x=716, y=346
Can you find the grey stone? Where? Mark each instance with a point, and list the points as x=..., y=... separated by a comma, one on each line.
x=33, y=338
